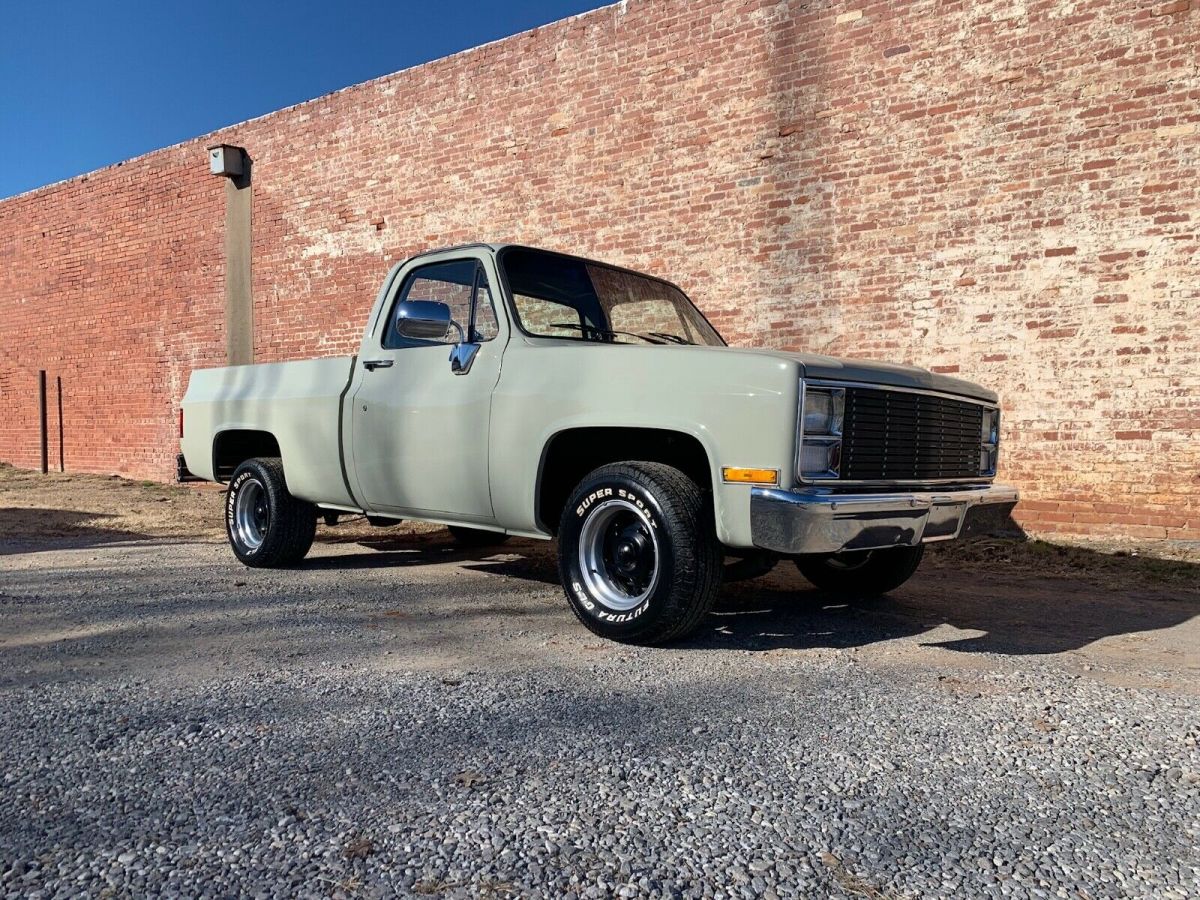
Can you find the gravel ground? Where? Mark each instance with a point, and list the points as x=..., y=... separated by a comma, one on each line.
x=400, y=717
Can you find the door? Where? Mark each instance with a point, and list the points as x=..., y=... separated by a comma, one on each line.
x=420, y=423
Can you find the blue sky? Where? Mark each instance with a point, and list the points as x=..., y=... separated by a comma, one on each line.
x=86, y=84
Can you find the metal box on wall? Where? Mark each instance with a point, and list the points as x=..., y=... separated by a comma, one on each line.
x=225, y=160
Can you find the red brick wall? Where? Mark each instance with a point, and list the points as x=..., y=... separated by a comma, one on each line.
x=113, y=283
x=1005, y=190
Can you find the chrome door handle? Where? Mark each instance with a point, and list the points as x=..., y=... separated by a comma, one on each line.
x=372, y=364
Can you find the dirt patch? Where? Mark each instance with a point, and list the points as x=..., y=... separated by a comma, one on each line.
x=105, y=508
x=110, y=509
x=1109, y=562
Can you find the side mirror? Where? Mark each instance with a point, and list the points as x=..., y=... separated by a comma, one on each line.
x=426, y=320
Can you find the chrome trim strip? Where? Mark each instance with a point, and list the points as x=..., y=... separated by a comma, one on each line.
x=797, y=476
x=817, y=520
x=915, y=483
x=906, y=390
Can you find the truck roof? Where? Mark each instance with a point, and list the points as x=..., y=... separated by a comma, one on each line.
x=494, y=247
x=497, y=247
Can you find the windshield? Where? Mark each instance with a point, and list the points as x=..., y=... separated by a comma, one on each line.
x=563, y=297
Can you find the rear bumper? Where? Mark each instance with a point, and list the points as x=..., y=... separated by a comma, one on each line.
x=182, y=472
x=816, y=520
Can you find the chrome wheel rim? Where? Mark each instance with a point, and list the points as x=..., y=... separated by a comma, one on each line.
x=619, y=555
x=251, y=515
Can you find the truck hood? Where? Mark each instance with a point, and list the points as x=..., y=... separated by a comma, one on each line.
x=870, y=372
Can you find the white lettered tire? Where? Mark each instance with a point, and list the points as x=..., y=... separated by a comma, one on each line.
x=637, y=553
x=267, y=527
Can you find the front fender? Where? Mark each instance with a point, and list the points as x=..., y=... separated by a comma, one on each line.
x=740, y=408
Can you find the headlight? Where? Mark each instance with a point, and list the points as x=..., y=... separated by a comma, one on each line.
x=820, y=458
x=821, y=430
x=990, y=432
x=823, y=411
x=989, y=441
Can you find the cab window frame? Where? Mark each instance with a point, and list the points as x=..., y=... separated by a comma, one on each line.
x=390, y=339
x=515, y=314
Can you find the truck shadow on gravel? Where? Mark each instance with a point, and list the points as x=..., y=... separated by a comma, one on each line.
x=519, y=559
x=27, y=530
x=1015, y=611
x=817, y=620
x=1021, y=599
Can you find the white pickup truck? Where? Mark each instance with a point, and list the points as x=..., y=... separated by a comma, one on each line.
x=505, y=390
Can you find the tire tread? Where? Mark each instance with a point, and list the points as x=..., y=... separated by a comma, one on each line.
x=885, y=571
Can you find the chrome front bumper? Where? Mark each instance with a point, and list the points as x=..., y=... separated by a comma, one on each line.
x=816, y=520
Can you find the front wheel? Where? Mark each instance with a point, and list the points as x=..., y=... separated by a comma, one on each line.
x=267, y=527
x=638, y=554
x=863, y=572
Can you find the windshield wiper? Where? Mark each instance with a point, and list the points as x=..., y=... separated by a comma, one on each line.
x=592, y=329
x=673, y=338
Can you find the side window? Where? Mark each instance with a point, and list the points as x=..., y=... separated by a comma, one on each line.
x=458, y=284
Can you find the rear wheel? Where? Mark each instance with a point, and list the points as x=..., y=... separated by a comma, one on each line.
x=476, y=537
x=637, y=553
x=267, y=527
x=864, y=572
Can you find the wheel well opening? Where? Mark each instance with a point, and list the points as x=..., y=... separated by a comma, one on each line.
x=232, y=448
x=572, y=454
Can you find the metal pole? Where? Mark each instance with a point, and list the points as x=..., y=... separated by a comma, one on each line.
x=61, y=456
x=42, y=418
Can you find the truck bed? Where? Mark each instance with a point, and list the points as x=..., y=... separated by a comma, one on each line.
x=298, y=402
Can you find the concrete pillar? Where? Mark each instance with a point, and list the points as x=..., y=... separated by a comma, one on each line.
x=239, y=303
x=235, y=165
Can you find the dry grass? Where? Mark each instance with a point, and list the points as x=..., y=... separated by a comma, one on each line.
x=1171, y=565
x=36, y=506
x=852, y=884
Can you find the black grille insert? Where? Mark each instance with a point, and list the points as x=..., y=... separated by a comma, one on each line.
x=902, y=436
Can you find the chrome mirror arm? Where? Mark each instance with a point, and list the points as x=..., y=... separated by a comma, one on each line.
x=462, y=355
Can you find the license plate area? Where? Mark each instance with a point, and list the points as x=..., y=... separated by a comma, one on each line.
x=944, y=520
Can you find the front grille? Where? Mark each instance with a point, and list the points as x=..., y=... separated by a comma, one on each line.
x=902, y=436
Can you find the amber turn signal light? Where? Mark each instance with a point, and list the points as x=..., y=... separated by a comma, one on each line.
x=735, y=475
